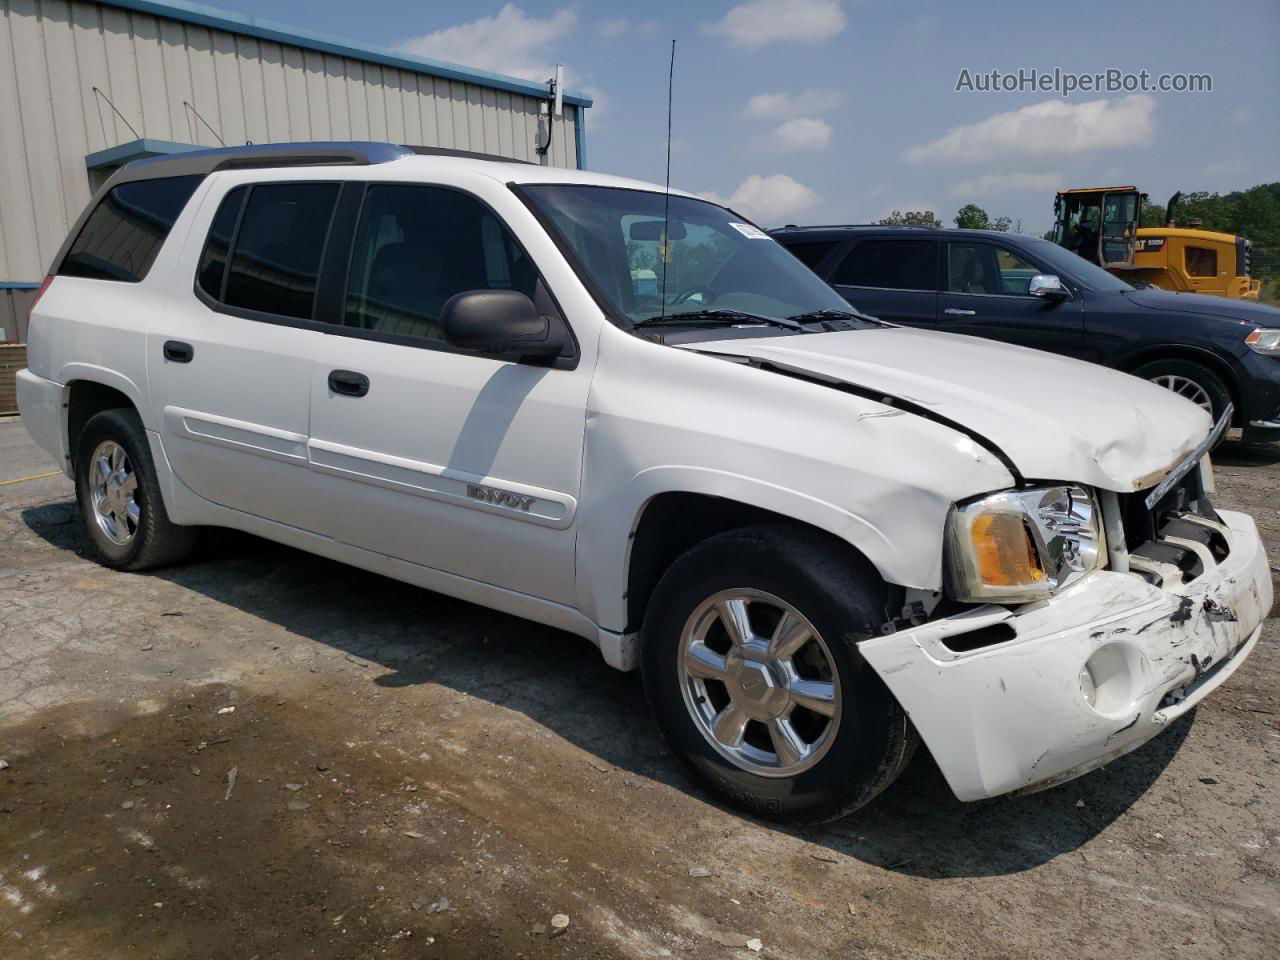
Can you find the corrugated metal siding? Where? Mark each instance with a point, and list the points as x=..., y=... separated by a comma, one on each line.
x=14, y=305
x=12, y=359
x=54, y=52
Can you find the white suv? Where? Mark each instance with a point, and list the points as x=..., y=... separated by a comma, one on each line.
x=630, y=414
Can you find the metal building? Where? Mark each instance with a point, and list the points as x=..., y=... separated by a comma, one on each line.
x=87, y=85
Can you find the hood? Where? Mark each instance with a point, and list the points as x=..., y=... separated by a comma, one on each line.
x=1053, y=417
x=1249, y=311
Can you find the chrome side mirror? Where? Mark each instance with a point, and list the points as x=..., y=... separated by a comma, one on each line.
x=1047, y=287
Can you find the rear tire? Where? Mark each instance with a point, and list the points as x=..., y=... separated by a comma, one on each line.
x=1191, y=380
x=803, y=735
x=120, y=502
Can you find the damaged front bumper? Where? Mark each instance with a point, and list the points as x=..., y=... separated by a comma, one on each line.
x=1023, y=699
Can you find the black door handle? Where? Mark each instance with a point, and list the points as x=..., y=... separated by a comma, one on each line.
x=178, y=352
x=348, y=383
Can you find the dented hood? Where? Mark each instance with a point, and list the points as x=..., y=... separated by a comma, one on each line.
x=1054, y=417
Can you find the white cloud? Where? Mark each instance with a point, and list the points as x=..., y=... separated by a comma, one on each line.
x=768, y=106
x=754, y=24
x=801, y=135
x=992, y=184
x=510, y=42
x=1052, y=127
x=612, y=29
x=768, y=199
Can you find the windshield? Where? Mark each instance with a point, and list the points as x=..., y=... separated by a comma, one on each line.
x=714, y=264
x=1077, y=268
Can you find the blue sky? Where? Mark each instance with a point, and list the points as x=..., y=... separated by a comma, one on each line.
x=821, y=111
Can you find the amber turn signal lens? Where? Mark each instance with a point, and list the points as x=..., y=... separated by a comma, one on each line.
x=1004, y=551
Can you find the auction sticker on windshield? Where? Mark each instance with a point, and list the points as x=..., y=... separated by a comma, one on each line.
x=750, y=232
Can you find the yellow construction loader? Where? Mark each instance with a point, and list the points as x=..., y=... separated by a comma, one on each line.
x=1104, y=225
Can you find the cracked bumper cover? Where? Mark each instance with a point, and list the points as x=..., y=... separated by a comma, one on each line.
x=1013, y=716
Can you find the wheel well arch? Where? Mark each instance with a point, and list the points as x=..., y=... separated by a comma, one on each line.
x=672, y=522
x=85, y=399
x=1206, y=358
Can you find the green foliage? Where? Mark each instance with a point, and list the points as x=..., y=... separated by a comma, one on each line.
x=1152, y=214
x=1270, y=292
x=912, y=218
x=1253, y=214
x=973, y=217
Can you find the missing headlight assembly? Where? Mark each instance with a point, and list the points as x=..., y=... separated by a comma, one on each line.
x=1017, y=546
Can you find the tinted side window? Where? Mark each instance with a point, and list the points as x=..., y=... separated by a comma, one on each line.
x=415, y=247
x=213, y=259
x=276, y=261
x=890, y=264
x=812, y=252
x=123, y=235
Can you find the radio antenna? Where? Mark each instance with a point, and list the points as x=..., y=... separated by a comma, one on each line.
x=664, y=250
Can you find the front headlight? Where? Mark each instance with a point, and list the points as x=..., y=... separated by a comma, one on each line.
x=1264, y=341
x=1022, y=545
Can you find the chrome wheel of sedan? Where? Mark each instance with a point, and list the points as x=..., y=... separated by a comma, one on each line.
x=760, y=682
x=114, y=491
x=1186, y=387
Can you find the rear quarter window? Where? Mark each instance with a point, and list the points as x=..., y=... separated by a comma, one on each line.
x=890, y=264
x=125, y=232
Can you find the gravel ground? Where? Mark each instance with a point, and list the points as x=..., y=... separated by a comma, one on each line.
x=264, y=754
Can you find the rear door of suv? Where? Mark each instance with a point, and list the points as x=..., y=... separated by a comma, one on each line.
x=890, y=277
x=230, y=358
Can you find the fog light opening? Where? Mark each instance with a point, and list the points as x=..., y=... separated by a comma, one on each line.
x=1088, y=687
x=1107, y=679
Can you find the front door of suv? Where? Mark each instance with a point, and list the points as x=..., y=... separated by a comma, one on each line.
x=469, y=464
x=893, y=278
x=986, y=296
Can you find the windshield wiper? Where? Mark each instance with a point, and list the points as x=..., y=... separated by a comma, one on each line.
x=712, y=315
x=814, y=316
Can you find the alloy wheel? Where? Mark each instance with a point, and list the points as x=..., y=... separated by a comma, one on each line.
x=759, y=682
x=113, y=488
x=1186, y=387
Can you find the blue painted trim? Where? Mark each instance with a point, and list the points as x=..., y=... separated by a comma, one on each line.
x=135, y=150
x=18, y=285
x=580, y=136
x=280, y=33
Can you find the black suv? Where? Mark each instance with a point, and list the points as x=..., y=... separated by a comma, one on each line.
x=1028, y=291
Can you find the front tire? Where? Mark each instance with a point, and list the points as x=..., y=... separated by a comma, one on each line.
x=752, y=670
x=120, y=502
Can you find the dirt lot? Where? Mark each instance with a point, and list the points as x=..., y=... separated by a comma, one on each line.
x=404, y=775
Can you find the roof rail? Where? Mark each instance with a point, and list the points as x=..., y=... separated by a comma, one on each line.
x=465, y=154
x=336, y=153
x=203, y=162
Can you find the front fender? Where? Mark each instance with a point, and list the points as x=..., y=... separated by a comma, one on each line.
x=910, y=556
